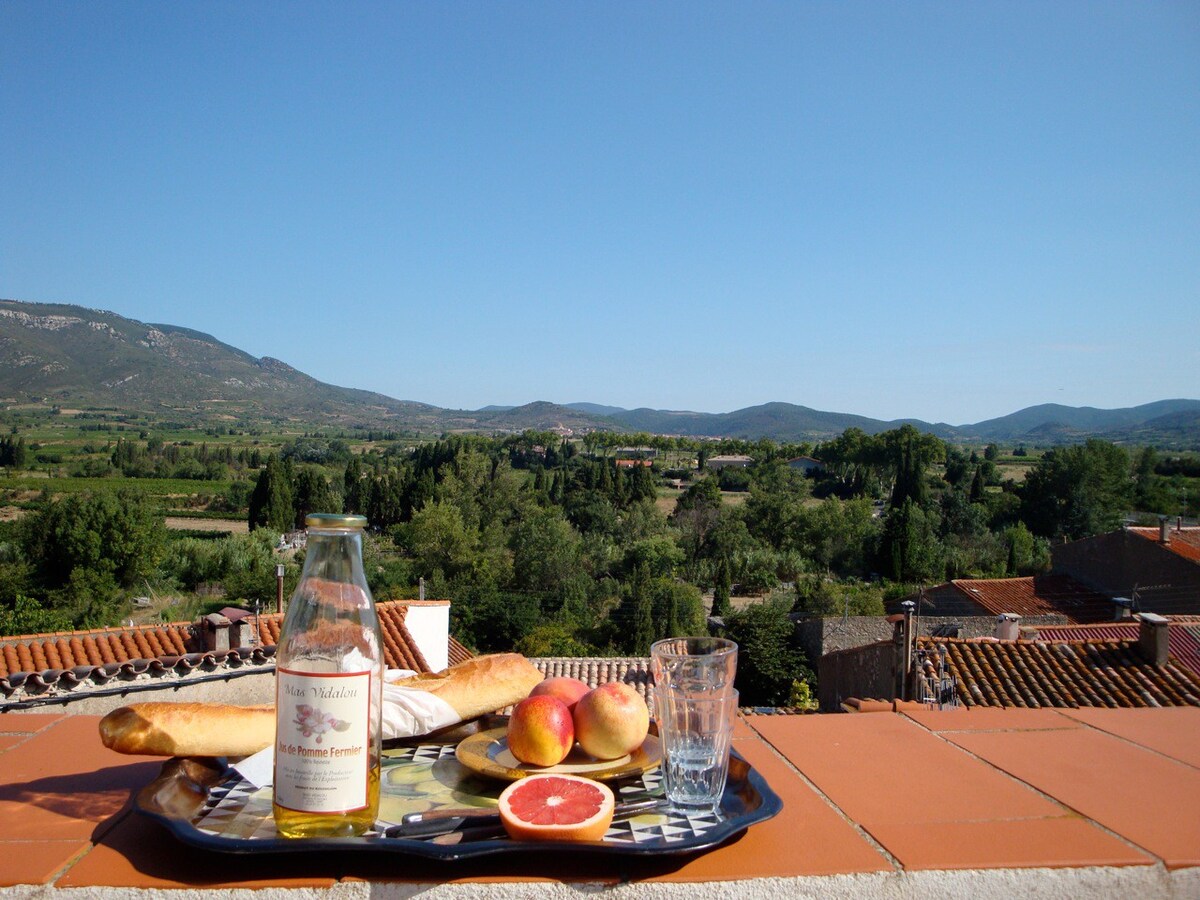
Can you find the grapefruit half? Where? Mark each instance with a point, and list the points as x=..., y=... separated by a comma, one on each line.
x=556, y=808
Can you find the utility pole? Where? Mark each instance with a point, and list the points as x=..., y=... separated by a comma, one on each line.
x=279, y=569
x=908, y=607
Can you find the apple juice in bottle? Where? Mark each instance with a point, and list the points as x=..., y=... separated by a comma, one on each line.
x=328, y=690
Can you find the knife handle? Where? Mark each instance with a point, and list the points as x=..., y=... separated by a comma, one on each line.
x=473, y=813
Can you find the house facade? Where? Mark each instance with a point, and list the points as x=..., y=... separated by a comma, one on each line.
x=1161, y=566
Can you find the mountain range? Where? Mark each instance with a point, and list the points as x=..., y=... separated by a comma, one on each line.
x=77, y=358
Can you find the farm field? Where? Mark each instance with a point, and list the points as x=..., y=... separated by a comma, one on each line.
x=189, y=523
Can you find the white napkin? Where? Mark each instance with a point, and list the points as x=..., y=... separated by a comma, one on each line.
x=406, y=713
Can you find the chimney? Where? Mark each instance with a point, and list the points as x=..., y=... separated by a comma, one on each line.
x=1164, y=529
x=1008, y=626
x=908, y=606
x=1152, y=638
x=216, y=633
x=1122, y=609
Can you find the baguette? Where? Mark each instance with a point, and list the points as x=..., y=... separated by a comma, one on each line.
x=480, y=685
x=188, y=729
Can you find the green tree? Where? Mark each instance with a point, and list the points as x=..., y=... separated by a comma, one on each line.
x=820, y=596
x=977, y=486
x=856, y=460
x=768, y=657
x=245, y=567
x=439, y=541
x=841, y=536
x=909, y=550
x=677, y=608
x=643, y=624
x=272, y=504
x=910, y=453
x=721, y=605
x=119, y=534
x=696, y=514
x=660, y=556
x=1152, y=493
x=1027, y=555
x=89, y=597
x=553, y=639
x=356, y=490
x=313, y=494
x=958, y=466
x=546, y=553
x=28, y=616
x=777, y=496
x=1077, y=491
x=491, y=620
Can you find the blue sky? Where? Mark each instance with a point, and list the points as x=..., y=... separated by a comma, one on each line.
x=941, y=210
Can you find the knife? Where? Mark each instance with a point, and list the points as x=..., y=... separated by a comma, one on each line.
x=444, y=821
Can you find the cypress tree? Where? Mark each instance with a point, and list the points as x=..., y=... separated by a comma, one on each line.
x=673, y=625
x=642, y=633
x=353, y=489
x=977, y=485
x=643, y=624
x=721, y=605
x=271, y=504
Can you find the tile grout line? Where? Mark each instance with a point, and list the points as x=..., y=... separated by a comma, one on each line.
x=69, y=865
x=859, y=829
x=1157, y=860
x=1131, y=742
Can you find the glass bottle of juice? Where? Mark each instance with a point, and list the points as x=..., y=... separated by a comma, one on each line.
x=328, y=690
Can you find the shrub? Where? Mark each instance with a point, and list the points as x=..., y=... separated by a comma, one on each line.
x=768, y=659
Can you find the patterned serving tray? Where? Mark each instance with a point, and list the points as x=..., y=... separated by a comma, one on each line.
x=205, y=803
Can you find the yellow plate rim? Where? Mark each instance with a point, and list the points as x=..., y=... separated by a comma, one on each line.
x=474, y=752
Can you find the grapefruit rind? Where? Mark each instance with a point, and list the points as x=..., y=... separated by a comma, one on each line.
x=556, y=808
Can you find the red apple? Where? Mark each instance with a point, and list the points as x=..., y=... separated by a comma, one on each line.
x=611, y=721
x=568, y=690
x=541, y=731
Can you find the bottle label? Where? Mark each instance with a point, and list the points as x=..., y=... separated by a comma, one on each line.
x=322, y=741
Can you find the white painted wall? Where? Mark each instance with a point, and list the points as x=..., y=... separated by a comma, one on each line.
x=429, y=625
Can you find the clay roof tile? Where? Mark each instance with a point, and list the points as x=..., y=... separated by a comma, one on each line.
x=11, y=663
x=1062, y=674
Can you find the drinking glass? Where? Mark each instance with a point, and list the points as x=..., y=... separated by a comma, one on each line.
x=696, y=732
x=695, y=704
x=700, y=664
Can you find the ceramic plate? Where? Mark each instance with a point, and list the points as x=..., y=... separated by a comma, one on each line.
x=487, y=753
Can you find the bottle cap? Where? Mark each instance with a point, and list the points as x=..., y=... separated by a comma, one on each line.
x=334, y=520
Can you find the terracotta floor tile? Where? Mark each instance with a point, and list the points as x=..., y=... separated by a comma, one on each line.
x=741, y=730
x=806, y=838
x=61, y=783
x=830, y=845
x=1172, y=731
x=1029, y=843
x=139, y=853
x=1151, y=800
x=991, y=719
x=8, y=741
x=768, y=848
x=36, y=862
x=27, y=723
x=886, y=769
